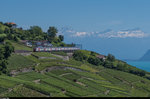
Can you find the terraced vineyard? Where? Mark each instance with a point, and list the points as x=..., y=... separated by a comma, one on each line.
x=59, y=78
x=18, y=61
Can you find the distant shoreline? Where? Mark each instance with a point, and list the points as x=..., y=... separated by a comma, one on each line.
x=135, y=60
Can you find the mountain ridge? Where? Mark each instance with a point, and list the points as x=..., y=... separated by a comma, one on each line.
x=146, y=56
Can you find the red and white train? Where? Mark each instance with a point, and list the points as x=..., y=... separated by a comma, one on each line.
x=50, y=49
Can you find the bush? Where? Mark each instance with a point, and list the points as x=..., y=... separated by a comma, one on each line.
x=110, y=57
x=95, y=61
x=79, y=56
x=138, y=72
x=108, y=64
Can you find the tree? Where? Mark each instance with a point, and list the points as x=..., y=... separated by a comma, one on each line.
x=110, y=57
x=8, y=49
x=61, y=37
x=52, y=31
x=120, y=66
x=5, y=52
x=79, y=56
x=94, y=61
x=108, y=64
x=7, y=30
x=16, y=38
x=2, y=37
x=10, y=36
x=35, y=30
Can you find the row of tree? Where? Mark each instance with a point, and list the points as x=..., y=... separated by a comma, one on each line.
x=33, y=33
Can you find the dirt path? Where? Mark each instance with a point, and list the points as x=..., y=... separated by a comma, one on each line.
x=80, y=83
x=37, y=81
x=65, y=74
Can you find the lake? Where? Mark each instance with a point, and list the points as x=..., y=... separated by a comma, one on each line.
x=144, y=65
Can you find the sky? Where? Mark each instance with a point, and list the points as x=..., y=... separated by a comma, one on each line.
x=89, y=20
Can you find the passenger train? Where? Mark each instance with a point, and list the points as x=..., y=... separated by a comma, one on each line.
x=50, y=49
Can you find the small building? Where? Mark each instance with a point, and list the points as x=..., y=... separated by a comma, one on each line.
x=28, y=43
x=11, y=24
x=101, y=57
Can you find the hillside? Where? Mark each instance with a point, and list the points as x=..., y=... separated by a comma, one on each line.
x=59, y=78
x=79, y=73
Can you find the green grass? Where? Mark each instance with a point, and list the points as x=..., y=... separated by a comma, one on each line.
x=88, y=68
x=59, y=72
x=43, y=54
x=59, y=53
x=32, y=58
x=3, y=89
x=19, y=46
x=42, y=88
x=90, y=75
x=138, y=93
x=7, y=83
x=21, y=91
x=74, y=62
x=16, y=62
x=58, y=95
x=31, y=76
x=71, y=77
x=68, y=87
x=92, y=81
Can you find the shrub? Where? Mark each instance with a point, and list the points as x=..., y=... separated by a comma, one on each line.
x=108, y=64
x=110, y=57
x=95, y=61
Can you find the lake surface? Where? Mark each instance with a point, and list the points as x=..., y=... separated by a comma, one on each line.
x=144, y=65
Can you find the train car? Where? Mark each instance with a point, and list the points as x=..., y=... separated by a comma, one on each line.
x=50, y=49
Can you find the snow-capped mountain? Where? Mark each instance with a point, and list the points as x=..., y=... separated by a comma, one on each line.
x=109, y=33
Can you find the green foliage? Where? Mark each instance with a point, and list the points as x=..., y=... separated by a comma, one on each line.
x=16, y=62
x=61, y=37
x=108, y=64
x=5, y=52
x=21, y=91
x=8, y=49
x=81, y=55
x=35, y=30
x=43, y=54
x=31, y=76
x=18, y=46
x=95, y=61
x=34, y=33
x=110, y=57
x=2, y=37
x=60, y=53
x=52, y=31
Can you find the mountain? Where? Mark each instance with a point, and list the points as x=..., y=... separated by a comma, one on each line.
x=146, y=56
x=108, y=33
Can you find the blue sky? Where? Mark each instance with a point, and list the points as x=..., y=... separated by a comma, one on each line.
x=87, y=16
